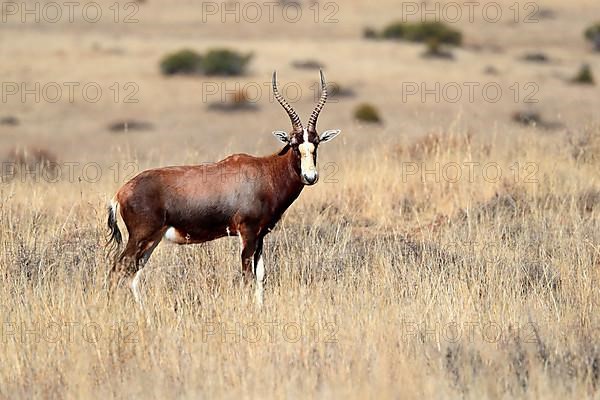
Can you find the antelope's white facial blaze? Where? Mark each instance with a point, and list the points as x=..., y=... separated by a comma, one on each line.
x=308, y=169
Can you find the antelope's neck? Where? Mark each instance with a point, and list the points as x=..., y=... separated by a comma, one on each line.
x=288, y=175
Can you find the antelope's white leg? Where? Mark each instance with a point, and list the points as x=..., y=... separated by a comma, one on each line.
x=135, y=289
x=260, y=276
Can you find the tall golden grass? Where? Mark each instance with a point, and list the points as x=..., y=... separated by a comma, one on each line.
x=384, y=280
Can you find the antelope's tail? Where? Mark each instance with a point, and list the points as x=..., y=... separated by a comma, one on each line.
x=114, y=236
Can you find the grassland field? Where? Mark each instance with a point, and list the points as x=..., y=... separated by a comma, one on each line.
x=448, y=252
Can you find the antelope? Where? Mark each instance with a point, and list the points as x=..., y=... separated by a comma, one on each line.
x=241, y=195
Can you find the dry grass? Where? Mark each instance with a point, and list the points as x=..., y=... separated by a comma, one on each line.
x=377, y=286
x=405, y=279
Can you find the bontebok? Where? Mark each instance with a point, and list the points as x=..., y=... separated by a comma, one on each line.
x=199, y=203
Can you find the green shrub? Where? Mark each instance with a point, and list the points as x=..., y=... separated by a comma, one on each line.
x=367, y=113
x=395, y=30
x=181, y=62
x=214, y=62
x=593, y=35
x=224, y=62
x=584, y=76
x=423, y=32
x=427, y=31
x=592, y=31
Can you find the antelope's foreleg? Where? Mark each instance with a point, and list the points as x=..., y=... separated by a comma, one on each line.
x=248, y=250
x=259, y=272
x=252, y=263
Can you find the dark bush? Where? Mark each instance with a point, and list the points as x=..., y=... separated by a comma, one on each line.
x=224, y=62
x=214, y=62
x=307, y=64
x=527, y=118
x=181, y=62
x=9, y=120
x=534, y=119
x=367, y=113
x=537, y=57
x=584, y=76
x=491, y=70
x=423, y=32
x=370, y=33
x=395, y=30
x=593, y=35
x=130, y=125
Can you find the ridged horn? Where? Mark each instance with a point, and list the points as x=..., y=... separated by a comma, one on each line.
x=296, y=124
x=312, y=122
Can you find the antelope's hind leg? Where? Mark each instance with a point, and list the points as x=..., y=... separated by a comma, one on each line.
x=131, y=262
x=135, y=281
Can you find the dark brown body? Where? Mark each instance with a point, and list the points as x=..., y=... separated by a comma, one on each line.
x=241, y=196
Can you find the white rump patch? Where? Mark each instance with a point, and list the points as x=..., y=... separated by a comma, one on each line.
x=174, y=236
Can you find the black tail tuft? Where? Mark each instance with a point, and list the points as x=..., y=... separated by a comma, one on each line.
x=115, y=238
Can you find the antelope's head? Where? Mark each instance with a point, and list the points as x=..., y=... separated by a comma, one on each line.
x=304, y=141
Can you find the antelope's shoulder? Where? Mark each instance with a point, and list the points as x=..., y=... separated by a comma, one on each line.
x=161, y=172
x=241, y=158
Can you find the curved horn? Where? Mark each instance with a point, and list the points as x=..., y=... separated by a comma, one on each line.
x=312, y=122
x=296, y=124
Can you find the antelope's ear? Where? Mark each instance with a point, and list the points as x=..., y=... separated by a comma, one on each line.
x=282, y=136
x=328, y=135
